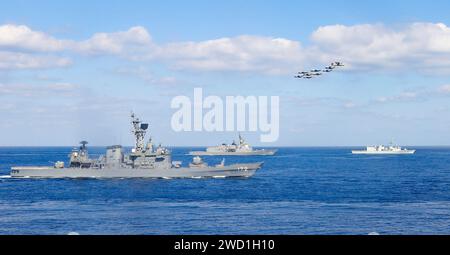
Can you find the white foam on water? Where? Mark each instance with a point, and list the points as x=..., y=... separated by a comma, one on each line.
x=373, y=234
x=73, y=234
x=5, y=176
x=219, y=177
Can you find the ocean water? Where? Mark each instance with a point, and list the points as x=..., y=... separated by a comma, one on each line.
x=298, y=191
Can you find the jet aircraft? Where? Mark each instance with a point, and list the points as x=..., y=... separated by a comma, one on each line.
x=317, y=72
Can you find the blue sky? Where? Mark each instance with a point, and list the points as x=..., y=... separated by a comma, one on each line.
x=74, y=70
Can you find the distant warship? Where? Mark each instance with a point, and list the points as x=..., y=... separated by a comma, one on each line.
x=381, y=149
x=241, y=149
x=144, y=161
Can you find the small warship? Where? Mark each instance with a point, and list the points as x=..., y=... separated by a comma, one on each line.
x=384, y=150
x=144, y=161
x=241, y=149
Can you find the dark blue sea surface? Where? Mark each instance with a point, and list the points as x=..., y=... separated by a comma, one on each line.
x=298, y=191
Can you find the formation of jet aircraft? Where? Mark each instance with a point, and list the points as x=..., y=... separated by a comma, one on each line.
x=317, y=72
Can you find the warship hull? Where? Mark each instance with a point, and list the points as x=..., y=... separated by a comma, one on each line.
x=403, y=152
x=249, y=153
x=237, y=170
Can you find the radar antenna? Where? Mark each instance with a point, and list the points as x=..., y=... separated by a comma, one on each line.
x=83, y=145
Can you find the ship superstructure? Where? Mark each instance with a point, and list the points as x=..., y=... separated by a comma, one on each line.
x=235, y=149
x=381, y=149
x=143, y=161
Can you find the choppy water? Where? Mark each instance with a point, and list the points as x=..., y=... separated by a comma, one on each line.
x=298, y=191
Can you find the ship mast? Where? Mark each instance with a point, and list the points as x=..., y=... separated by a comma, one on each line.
x=139, y=131
x=241, y=140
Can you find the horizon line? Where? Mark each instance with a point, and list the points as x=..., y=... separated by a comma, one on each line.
x=202, y=146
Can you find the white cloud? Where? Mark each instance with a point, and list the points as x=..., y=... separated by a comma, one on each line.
x=22, y=48
x=20, y=37
x=417, y=47
x=17, y=60
x=131, y=43
x=32, y=90
x=404, y=96
x=242, y=53
x=445, y=89
x=422, y=94
x=350, y=105
x=323, y=101
x=23, y=38
x=146, y=75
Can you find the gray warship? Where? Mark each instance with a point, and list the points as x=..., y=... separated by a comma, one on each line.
x=144, y=161
x=241, y=149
